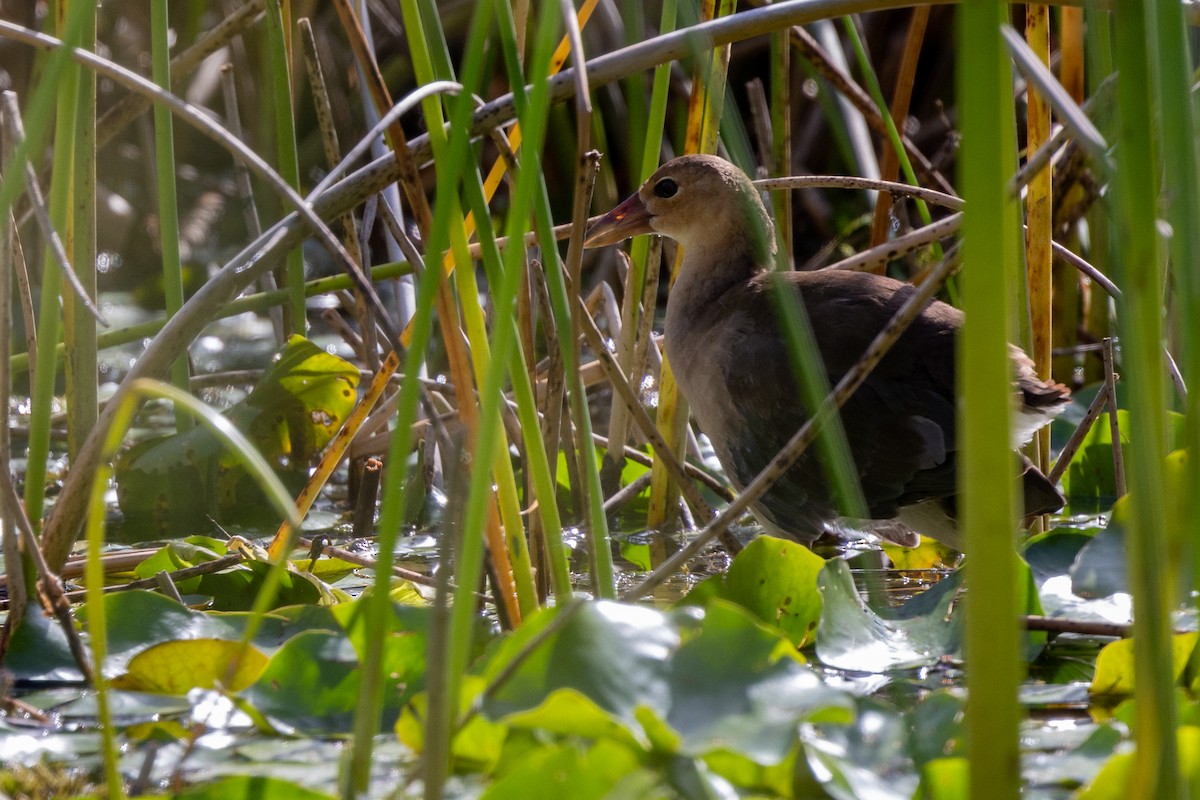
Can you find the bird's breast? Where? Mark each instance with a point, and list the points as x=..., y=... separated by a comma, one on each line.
x=700, y=361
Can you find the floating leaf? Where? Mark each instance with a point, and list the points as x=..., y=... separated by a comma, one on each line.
x=946, y=779
x=1076, y=766
x=929, y=554
x=936, y=727
x=614, y=654
x=738, y=686
x=178, y=667
x=854, y=637
x=1100, y=569
x=237, y=589
x=1114, y=780
x=38, y=651
x=1052, y=554
x=863, y=758
x=1115, y=664
x=604, y=770
x=293, y=411
x=310, y=684
x=776, y=581
x=692, y=682
x=1089, y=482
x=479, y=743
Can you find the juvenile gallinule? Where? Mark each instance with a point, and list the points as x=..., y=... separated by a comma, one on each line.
x=731, y=362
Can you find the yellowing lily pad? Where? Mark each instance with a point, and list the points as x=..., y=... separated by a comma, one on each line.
x=1114, y=665
x=180, y=666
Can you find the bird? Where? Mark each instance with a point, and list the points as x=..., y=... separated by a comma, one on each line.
x=729, y=355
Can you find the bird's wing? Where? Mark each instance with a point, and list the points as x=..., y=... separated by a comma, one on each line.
x=899, y=425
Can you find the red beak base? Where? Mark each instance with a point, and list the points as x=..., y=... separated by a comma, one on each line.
x=631, y=218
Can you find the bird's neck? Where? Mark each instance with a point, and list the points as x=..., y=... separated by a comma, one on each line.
x=713, y=265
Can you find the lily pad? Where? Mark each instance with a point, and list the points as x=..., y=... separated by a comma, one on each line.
x=854, y=637
x=692, y=682
x=576, y=771
x=1114, y=665
x=776, y=581
x=178, y=667
x=292, y=413
x=1089, y=482
x=311, y=684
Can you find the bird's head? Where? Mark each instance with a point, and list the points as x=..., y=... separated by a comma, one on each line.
x=700, y=201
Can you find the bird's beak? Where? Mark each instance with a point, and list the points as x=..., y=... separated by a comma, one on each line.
x=631, y=218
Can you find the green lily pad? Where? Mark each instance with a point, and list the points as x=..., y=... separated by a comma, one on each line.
x=776, y=581
x=692, y=682
x=604, y=770
x=310, y=684
x=292, y=413
x=138, y=620
x=1115, y=779
x=738, y=686
x=1089, y=482
x=38, y=651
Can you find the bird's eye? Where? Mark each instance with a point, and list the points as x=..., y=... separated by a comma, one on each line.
x=666, y=188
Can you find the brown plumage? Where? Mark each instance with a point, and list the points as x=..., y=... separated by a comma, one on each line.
x=730, y=359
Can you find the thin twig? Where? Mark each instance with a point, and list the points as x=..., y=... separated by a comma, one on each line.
x=1069, y=449
x=1080, y=626
x=1110, y=389
x=889, y=168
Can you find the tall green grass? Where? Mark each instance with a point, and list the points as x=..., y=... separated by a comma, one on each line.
x=991, y=250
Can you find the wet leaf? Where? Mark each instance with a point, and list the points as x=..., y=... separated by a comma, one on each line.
x=1114, y=780
x=737, y=686
x=293, y=411
x=1077, y=765
x=854, y=637
x=1100, y=569
x=945, y=779
x=604, y=770
x=1089, y=482
x=403, y=646
x=776, y=581
x=935, y=726
x=178, y=667
x=237, y=589
x=929, y=554
x=614, y=654
x=128, y=706
x=1052, y=554
x=38, y=651
x=864, y=757
x=311, y=684
x=479, y=743
x=177, y=555
x=691, y=682
x=140, y=619
x=1114, y=665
